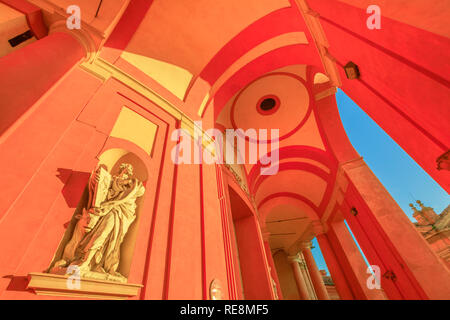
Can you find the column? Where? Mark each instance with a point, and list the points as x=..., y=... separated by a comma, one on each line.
x=336, y=272
x=390, y=240
x=273, y=270
x=316, y=277
x=299, y=280
x=351, y=261
x=28, y=73
x=306, y=276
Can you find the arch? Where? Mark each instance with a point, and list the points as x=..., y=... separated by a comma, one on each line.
x=268, y=27
x=274, y=200
x=129, y=146
x=295, y=152
x=273, y=60
x=330, y=123
x=301, y=166
x=248, y=250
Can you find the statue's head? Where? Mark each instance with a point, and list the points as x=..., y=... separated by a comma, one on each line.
x=125, y=170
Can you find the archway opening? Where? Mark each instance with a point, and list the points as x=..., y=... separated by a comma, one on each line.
x=249, y=252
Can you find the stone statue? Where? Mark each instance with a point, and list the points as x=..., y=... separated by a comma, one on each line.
x=95, y=244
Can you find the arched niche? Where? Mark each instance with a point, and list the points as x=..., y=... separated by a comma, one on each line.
x=112, y=158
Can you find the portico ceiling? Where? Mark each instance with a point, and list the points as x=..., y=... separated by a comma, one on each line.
x=257, y=50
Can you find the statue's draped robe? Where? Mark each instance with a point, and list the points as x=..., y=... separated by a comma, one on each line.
x=109, y=225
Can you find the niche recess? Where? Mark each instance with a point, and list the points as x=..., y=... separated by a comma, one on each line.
x=51, y=284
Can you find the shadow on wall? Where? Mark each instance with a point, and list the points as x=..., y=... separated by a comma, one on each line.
x=76, y=195
x=17, y=283
x=74, y=184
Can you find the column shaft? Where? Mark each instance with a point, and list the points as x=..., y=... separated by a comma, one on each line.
x=316, y=277
x=299, y=280
x=342, y=287
x=28, y=73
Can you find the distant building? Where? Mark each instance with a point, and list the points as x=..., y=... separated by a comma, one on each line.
x=329, y=285
x=435, y=228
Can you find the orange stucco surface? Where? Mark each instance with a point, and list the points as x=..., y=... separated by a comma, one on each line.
x=61, y=100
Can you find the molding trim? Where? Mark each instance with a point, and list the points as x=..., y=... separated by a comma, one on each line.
x=56, y=285
x=315, y=28
x=326, y=93
x=104, y=70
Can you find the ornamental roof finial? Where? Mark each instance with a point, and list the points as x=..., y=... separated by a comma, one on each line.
x=413, y=207
x=420, y=204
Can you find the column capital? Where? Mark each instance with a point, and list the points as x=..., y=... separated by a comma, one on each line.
x=87, y=39
x=306, y=245
x=293, y=258
x=266, y=236
x=319, y=227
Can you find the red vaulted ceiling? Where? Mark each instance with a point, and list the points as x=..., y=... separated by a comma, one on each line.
x=254, y=49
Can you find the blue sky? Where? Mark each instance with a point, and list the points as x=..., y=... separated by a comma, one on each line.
x=397, y=171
